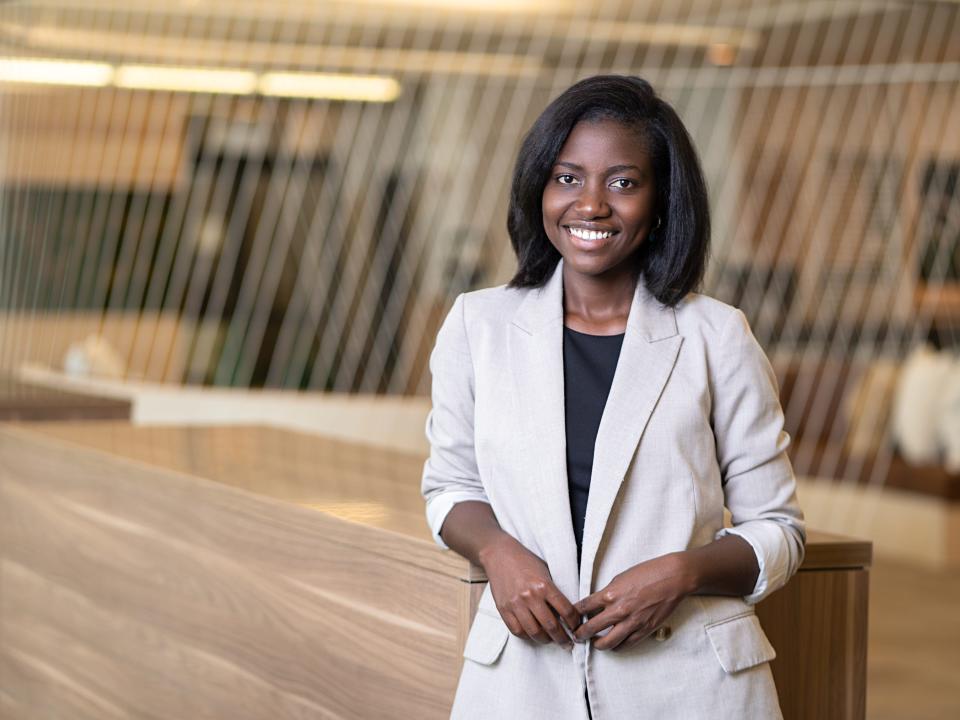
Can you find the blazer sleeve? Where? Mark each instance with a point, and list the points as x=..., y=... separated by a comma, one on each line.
x=760, y=488
x=450, y=472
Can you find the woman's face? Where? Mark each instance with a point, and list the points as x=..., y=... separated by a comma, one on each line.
x=599, y=201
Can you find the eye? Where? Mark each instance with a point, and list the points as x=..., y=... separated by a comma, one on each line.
x=628, y=183
x=566, y=179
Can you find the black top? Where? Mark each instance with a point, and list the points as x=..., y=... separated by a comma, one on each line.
x=589, y=362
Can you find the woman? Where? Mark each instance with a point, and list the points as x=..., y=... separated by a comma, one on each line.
x=590, y=421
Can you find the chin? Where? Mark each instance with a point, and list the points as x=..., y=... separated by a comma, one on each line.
x=595, y=269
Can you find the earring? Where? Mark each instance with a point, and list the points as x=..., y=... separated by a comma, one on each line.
x=659, y=223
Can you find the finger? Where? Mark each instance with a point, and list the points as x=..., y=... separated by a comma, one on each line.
x=550, y=623
x=613, y=639
x=531, y=626
x=633, y=639
x=595, y=624
x=564, y=608
x=513, y=624
x=591, y=603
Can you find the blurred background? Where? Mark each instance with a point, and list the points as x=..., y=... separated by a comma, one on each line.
x=206, y=204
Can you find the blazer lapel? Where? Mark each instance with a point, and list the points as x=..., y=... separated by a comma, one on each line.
x=649, y=351
x=536, y=362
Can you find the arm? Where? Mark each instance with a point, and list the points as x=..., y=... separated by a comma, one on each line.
x=450, y=473
x=727, y=566
x=472, y=531
x=458, y=510
x=639, y=599
x=758, y=480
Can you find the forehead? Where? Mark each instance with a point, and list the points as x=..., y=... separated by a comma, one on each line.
x=598, y=141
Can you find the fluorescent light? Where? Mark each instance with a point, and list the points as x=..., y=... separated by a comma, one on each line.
x=185, y=79
x=332, y=86
x=217, y=52
x=229, y=81
x=55, y=72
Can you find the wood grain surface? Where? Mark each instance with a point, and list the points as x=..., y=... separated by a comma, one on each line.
x=133, y=591
x=252, y=572
x=818, y=626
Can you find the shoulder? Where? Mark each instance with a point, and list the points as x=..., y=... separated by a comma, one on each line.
x=706, y=316
x=477, y=314
x=724, y=334
x=491, y=303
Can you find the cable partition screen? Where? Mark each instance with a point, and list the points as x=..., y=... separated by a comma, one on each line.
x=291, y=194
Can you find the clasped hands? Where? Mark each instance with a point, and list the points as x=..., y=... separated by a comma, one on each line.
x=633, y=605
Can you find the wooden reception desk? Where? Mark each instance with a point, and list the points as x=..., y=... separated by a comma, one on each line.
x=251, y=572
x=23, y=401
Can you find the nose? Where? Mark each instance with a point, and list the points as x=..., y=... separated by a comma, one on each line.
x=591, y=203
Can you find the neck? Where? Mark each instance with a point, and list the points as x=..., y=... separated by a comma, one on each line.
x=598, y=300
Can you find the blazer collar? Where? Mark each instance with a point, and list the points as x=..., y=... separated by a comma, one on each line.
x=544, y=306
x=649, y=351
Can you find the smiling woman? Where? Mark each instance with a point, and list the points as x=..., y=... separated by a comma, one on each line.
x=609, y=155
x=591, y=420
x=598, y=215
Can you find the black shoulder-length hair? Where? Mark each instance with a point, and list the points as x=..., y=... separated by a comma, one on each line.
x=673, y=257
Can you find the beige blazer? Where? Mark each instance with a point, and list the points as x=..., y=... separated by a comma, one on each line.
x=692, y=423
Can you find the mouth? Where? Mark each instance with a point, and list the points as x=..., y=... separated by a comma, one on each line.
x=588, y=238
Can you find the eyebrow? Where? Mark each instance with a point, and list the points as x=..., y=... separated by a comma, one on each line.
x=611, y=169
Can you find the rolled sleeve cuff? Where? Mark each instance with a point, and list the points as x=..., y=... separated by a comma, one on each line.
x=768, y=545
x=439, y=506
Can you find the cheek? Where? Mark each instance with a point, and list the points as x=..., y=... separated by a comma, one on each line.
x=550, y=210
x=642, y=211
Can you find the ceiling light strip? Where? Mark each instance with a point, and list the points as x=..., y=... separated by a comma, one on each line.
x=217, y=81
x=185, y=79
x=55, y=72
x=336, y=86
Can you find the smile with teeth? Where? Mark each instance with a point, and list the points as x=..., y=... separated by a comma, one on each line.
x=589, y=234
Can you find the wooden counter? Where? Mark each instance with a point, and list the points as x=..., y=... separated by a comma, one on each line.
x=20, y=401
x=250, y=572
x=818, y=625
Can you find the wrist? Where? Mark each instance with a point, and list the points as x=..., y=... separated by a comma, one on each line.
x=690, y=571
x=492, y=548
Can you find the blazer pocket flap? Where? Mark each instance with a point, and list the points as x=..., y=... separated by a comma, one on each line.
x=740, y=643
x=486, y=639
